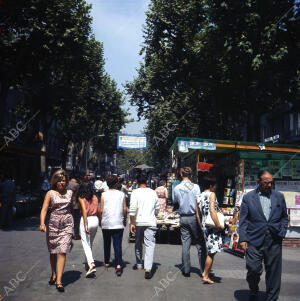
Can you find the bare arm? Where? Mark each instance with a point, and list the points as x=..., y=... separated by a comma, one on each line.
x=213, y=213
x=44, y=211
x=132, y=225
x=124, y=212
x=101, y=209
x=198, y=214
x=166, y=194
x=84, y=213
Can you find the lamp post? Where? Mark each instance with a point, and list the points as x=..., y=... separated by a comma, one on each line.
x=88, y=151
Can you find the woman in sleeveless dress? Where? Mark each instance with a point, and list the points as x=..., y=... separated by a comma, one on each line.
x=59, y=230
x=207, y=203
x=162, y=194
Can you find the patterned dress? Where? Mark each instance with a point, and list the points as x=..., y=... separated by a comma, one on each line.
x=213, y=237
x=161, y=194
x=61, y=224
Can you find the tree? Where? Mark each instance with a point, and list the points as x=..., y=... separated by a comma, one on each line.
x=50, y=56
x=210, y=65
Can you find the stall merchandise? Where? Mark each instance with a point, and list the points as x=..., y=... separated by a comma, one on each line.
x=235, y=166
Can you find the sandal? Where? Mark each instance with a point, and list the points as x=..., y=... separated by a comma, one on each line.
x=60, y=287
x=52, y=280
x=90, y=272
x=207, y=281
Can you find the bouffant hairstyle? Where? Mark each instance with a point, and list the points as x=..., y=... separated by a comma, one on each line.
x=58, y=176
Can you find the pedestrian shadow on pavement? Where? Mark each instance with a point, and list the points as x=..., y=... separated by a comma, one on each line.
x=70, y=277
x=154, y=267
x=98, y=263
x=244, y=295
x=192, y=270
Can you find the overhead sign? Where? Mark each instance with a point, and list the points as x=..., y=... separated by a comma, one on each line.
x=272, y=139
x=132, y=141
x=184, y=145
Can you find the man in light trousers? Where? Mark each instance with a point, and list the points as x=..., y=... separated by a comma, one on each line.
x=185, y=195
x=144, y=207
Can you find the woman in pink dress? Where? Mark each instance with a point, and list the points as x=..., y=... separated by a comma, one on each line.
x=162, y=194
x=59, y=230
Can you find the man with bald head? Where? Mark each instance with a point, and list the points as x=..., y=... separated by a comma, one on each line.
x=263, y=225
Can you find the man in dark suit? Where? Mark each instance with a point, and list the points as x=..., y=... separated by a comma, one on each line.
x=263, y=225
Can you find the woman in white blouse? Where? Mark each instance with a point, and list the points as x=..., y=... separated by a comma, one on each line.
x=113, y=213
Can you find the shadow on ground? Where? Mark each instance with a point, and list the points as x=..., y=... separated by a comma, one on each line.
x=244, y=295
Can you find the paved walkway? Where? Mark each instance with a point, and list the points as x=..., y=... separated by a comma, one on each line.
x=25, y=271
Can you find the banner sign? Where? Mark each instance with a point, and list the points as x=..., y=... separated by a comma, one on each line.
x=184, y=145
x=132, y=141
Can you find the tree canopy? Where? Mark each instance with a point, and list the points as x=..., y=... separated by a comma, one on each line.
x=208, y=66
x=48, y=53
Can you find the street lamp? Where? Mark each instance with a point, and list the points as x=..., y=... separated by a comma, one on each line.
x=88, y=151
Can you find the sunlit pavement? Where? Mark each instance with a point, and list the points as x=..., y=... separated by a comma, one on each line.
x=25, y=272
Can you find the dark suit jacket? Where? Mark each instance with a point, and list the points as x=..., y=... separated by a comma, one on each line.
x=253, y=224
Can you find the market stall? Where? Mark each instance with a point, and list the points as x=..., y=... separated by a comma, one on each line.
x=235, y=165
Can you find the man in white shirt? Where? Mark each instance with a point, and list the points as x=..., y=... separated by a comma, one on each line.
x=100, y=185
x=144, y=207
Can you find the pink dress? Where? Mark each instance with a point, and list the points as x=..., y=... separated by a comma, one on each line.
x=161, y=194
x=61, y=224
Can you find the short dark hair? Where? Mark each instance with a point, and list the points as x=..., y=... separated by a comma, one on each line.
x=162, y=182
x=85, y=191
x=141, y=179
x=112, y=181
x=186, y=172
x=263, y=172
x=208, y=182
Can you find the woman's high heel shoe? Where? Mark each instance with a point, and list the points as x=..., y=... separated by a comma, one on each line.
x=106, y=265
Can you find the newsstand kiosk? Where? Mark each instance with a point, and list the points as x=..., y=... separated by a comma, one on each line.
x=235, y=165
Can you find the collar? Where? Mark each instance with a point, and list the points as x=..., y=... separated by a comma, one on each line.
x=268, y=195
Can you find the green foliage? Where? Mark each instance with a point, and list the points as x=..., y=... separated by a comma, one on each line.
x=209, y=65
x=50, y=55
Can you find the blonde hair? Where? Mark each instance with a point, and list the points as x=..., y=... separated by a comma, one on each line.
x=57, y=176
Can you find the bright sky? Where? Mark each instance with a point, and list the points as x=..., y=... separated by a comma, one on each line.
x=118, y=24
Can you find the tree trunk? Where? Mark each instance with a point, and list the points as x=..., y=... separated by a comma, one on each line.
x=65, y=154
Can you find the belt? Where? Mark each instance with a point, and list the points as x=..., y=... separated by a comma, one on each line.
x=61, y=212
x=191, y=214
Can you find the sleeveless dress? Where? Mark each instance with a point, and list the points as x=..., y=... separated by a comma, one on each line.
x=161, y=194
x=213, y=237
x=61, y=224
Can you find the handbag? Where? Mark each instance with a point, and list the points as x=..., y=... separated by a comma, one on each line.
x=210, y=223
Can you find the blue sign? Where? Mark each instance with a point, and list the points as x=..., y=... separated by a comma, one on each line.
x=184, y=145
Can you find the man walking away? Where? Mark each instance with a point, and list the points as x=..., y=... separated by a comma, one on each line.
x=144, y=207
x=185, y=195
x=263, y=225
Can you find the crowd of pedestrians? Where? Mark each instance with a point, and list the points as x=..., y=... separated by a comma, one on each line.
x=106, y=202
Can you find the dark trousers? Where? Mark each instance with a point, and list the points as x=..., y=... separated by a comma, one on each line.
x=271, y=253
x=117, y=236
x=190, y=231
x=76, y=216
